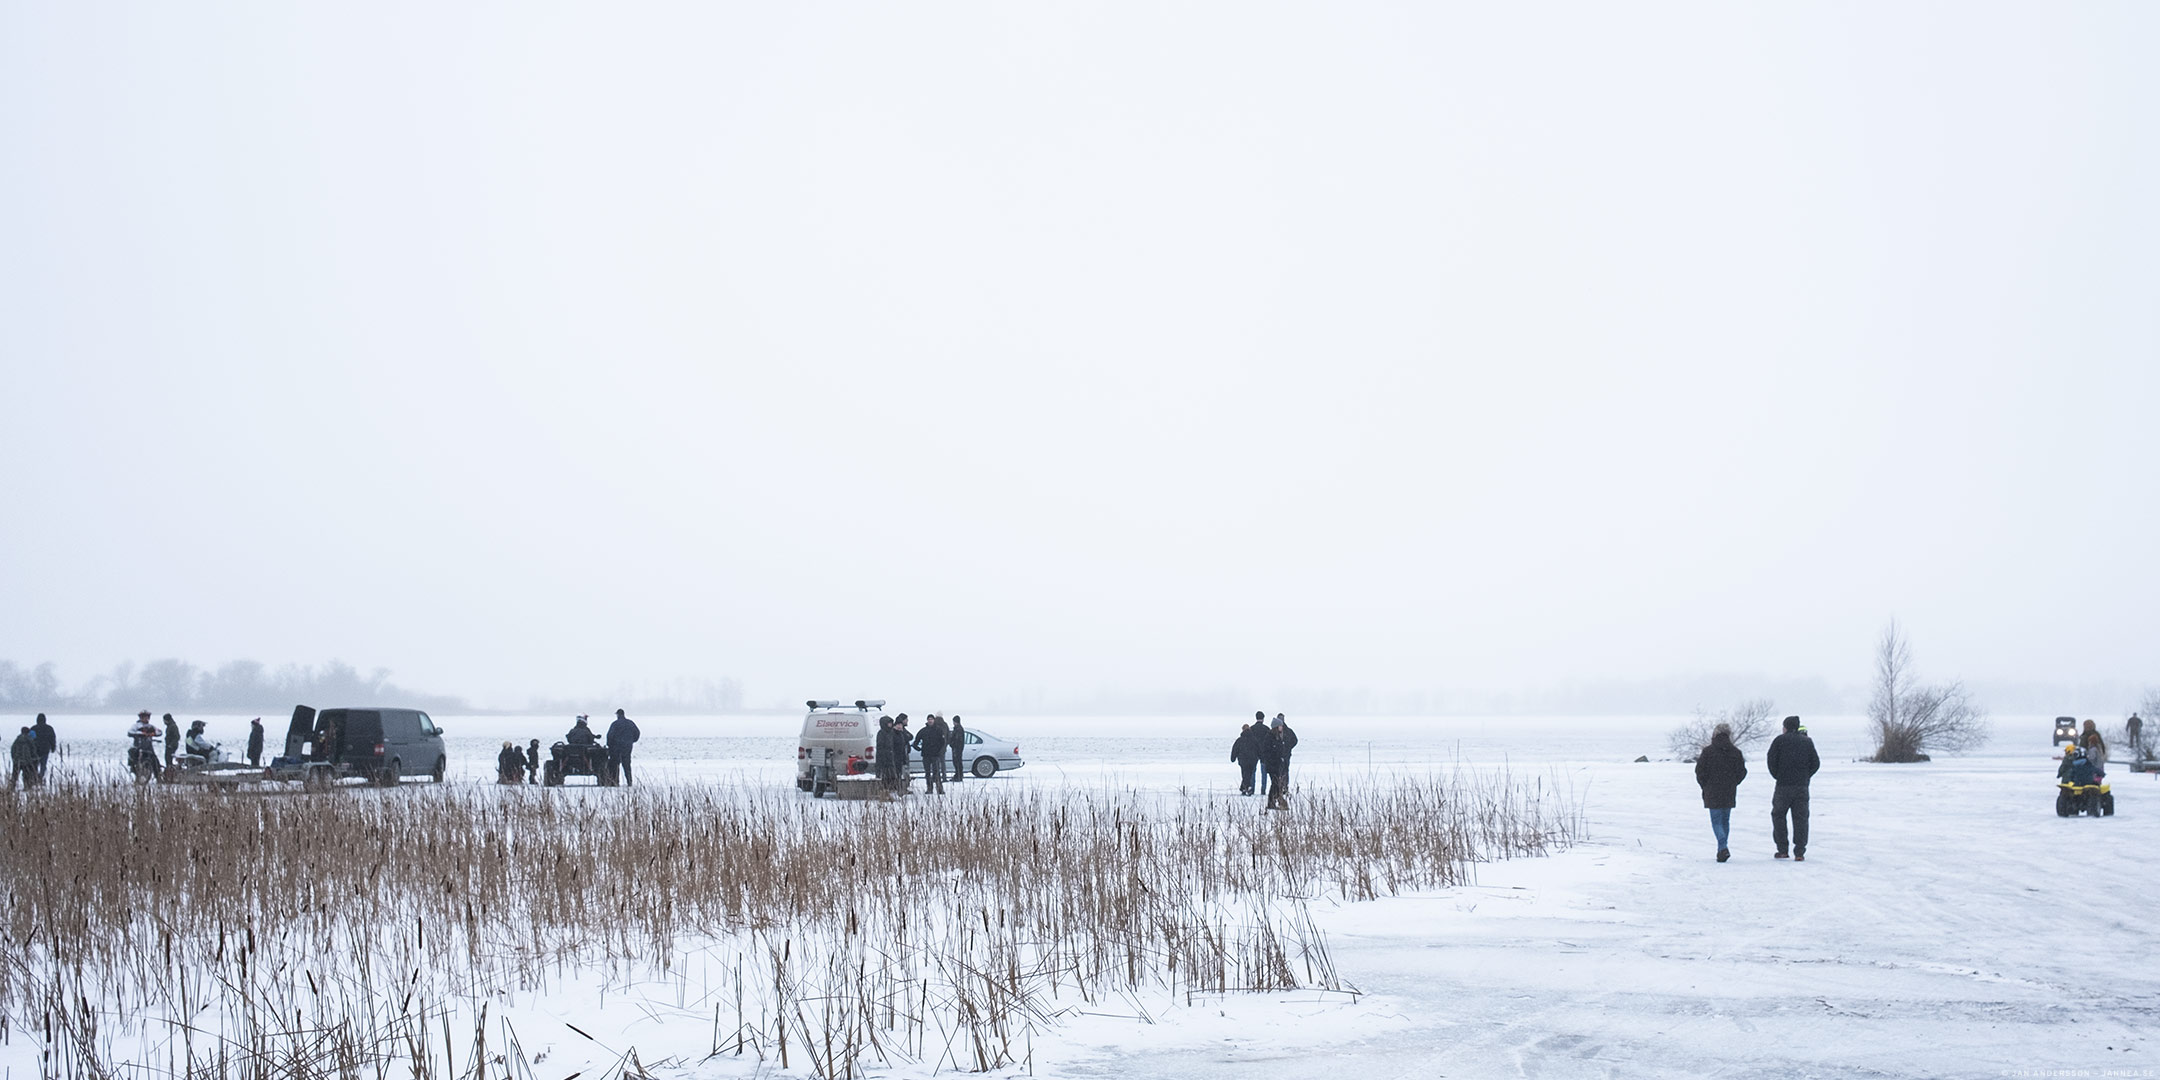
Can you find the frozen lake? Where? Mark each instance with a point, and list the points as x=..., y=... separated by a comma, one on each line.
x=1946, y=923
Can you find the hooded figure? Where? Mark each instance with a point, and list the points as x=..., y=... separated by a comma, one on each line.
x=255, y=741
x=1718, y=771
x=172, y=738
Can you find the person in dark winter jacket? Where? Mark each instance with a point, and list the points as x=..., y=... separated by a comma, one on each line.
x=957, y=740
x=22, y=756
x=891, y=754
x=621, y=736
x=1793, y=763
x=1246, y=751
x=172, y=739
x=510, y=764
x=48, y=741
x=255, y=741
x=931, y=741
x=532, y=762
x=581, y=733
x=1718, y=771
x=1275, y=755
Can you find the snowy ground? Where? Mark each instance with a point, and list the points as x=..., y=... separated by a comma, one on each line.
x=1946, y=923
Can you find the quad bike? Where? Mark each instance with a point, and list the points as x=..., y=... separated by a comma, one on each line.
x=565, y=761
x=2073, y=799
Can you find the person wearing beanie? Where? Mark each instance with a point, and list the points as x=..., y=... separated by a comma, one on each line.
x=1793, y=762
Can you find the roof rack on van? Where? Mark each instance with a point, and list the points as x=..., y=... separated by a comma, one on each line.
x=865, y=706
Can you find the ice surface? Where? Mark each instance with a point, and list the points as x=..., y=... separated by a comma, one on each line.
x=1946, y=923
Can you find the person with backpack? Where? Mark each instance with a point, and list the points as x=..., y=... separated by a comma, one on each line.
x=1245, y=750
x=621, y=736
x=931, y=741
x=1718, y=772
x=1793, y=762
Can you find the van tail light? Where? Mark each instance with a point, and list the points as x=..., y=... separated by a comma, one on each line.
x=378, y=749
x=801, y=752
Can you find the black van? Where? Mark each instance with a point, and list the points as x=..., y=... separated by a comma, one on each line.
x=379, y=745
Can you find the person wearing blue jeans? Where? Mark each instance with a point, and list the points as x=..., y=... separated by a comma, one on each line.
x=1718, y=771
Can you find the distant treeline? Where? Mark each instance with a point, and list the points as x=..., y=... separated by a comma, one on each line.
x=247, y=686
x=176, y=685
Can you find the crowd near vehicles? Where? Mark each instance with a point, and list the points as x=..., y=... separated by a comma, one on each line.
x=839, y=741
x=380, y=746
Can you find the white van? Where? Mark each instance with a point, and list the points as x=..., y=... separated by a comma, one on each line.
x=847, y=729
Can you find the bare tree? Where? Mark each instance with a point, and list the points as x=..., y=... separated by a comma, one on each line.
x=1750, y=722
x=1911, y=718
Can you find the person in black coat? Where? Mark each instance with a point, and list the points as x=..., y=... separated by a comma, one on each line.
x=581, y=733
x=532, y=762
x=1718, y=771
x=891, y=753
x=48, y=741
x=931, y=741
x=22, y=755
x=510, y=764
x=957, y=739
x=621, y=736
x=255, y=741
x=172, y=739
x=1246, y=751
x=1793, y=763
x=1275, y=754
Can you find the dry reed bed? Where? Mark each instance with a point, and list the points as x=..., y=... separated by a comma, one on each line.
x=183, y=933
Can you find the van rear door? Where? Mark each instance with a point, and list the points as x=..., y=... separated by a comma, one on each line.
x=299, y=731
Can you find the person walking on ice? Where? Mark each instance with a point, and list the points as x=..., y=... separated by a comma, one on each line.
x=1793, y=763
x=1718, y=771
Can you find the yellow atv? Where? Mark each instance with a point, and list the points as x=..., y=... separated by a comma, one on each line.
x=2074, y=799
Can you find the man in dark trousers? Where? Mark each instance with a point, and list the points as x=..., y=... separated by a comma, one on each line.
x=1246, y=751
x=931, y=741
x=891, y=758
x=172, y=739
x=1793, y=763
x=255, y=741
x=1275, y=755
x=957, y=737
x=48, y=741
x=621, y=736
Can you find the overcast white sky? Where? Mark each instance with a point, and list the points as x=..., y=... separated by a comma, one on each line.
x=912, y=349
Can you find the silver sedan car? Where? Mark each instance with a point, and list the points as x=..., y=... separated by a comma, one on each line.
x=986, y=755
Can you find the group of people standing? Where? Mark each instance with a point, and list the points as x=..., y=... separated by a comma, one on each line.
x=513, y=766
x=32, y=752
x=1792, y=761
x=938, y=740
x=1264, y=746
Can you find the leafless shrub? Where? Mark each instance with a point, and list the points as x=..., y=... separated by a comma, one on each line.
x=1750, y=722
x=164, y=932
x=1911, y=718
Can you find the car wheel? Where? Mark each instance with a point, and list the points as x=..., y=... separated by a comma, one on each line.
x=442, y=766
x=550, y=774
x=391, y=774
x=985, y=767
